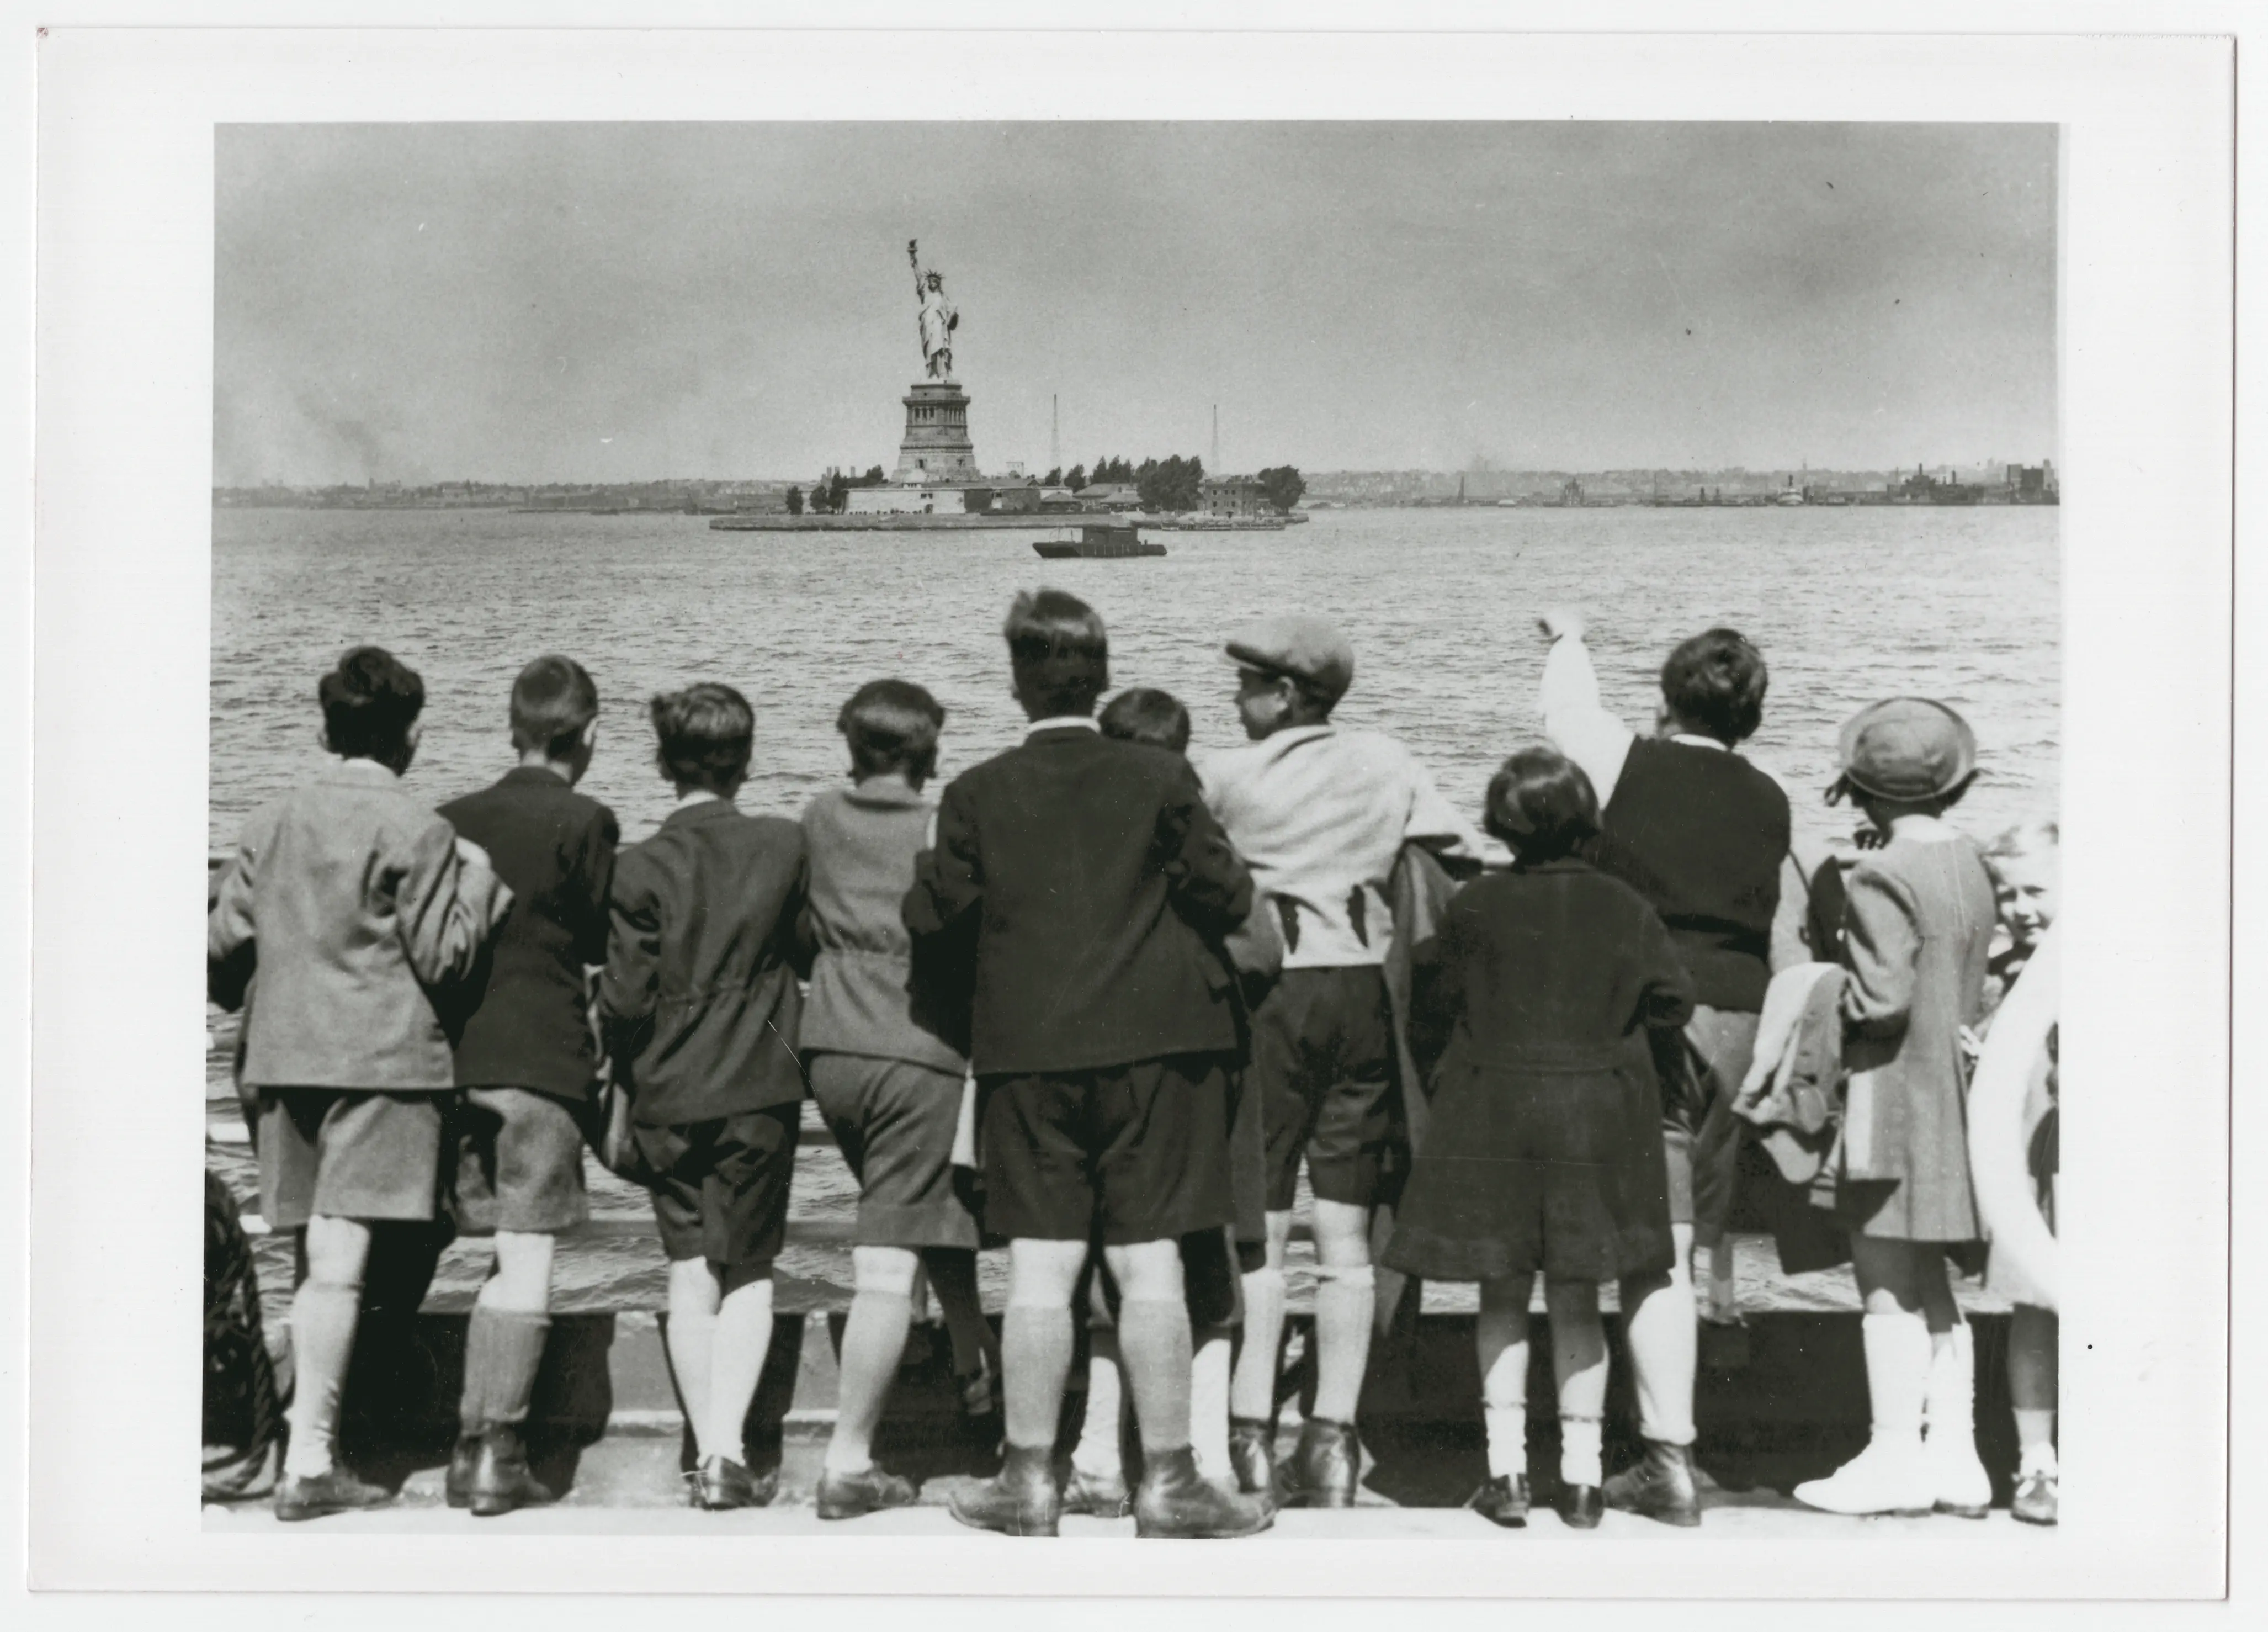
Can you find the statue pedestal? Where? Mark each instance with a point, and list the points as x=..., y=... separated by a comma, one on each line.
x=935, y=449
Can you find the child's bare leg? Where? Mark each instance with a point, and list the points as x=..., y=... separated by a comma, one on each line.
x=324, y=1313
x=1500, y=1344
x=743, y=1339
x=1252, y=1388
x=2033, y=1337
x=953, y=1273
x=1724, y=1293
x=1659, y=1317
x=1579, y=1365
x=694, y=1295
x=874, y=1340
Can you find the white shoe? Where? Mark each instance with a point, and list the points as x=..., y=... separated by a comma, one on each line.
x=1887, y=1477
x=1957, y=1478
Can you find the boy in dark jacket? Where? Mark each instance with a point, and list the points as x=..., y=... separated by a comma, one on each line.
x=1081, y=878
x=700, y=1010
x=525, y=1059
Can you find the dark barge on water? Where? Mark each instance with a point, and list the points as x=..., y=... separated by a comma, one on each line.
x=1099, y=541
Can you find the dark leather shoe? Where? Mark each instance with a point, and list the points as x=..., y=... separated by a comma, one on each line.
x=501, y=1480
x=1252, y=1453
x=337, y=1491
x=1325, y=1470
x=1502, y=1501
x=854, y=1495
x=1659, y=1486
x=1101, y=1495
x=1022, y=1501
x=1581, y=1506
x=720, y=1484
x=1175, y=1502
x=458, y=1486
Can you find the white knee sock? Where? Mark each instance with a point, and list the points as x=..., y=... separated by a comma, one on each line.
x=1209, y=1402
x=1897, y=1376
x=1582, y=1458
x=1507, y=1438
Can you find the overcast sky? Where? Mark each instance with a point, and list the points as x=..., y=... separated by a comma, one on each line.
x=617, y=302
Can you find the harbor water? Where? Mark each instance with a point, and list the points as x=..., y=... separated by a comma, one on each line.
x=1849, y=605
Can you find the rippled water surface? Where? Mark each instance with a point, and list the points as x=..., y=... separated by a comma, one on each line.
x=1848, y=606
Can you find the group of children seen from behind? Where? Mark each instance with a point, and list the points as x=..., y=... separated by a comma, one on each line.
x=1103, y=1005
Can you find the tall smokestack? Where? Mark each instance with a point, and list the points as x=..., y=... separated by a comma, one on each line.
x=1216, y=439
x=1055, y=432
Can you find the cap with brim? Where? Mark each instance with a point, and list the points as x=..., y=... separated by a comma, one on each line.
x=1908, y=748
x=1308, y=650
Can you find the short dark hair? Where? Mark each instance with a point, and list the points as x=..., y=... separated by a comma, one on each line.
x=891, y=726
x=370, y=701
x=1143, y=714
x=552, y=701
x=704, y=736
x=1716, y=682
x=1059, y=650
x=1542, y=804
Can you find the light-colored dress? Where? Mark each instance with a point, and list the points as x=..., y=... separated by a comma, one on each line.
x=1918, y=930
x=2043, y=1128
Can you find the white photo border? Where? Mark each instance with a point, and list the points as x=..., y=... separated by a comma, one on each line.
x=122, y=580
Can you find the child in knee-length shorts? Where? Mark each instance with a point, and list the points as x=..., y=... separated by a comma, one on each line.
x=885, y=1075
x=699, y=1007
x=353, y=902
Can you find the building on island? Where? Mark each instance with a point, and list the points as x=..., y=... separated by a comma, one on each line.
x=1233, y=496
x=920, y=499
x=1110, y=495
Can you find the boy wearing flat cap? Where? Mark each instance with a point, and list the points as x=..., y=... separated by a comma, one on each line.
x=1319, y=815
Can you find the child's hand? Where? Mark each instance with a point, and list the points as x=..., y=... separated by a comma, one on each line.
x=1562, y=622
x=1870, y=838
x=472, y=855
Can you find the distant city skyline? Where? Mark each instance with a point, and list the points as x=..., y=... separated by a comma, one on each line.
x=618, y=303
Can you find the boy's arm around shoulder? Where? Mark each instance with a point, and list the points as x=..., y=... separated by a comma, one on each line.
x=447, y=903
x=948, y=877
x=1436, y=825
x=1209, y=881
x=594, y=879
x=631, y=977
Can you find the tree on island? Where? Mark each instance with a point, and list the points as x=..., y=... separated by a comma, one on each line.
x=1054, y=478
x=1170, y=485
x=1077, y=479
x=872, y=478
x=1283, y=484
x=795, y=501
x=838, y=493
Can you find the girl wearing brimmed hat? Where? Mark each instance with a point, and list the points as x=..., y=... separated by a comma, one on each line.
x=1917, y=928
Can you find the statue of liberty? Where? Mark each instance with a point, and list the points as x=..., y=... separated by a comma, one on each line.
x=939, y=319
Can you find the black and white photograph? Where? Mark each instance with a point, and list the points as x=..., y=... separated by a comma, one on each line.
x=931, y=829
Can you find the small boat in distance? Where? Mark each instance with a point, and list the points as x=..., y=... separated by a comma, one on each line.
x=1099, y=541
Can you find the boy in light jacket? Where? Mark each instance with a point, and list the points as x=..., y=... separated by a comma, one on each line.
x=355, y=901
